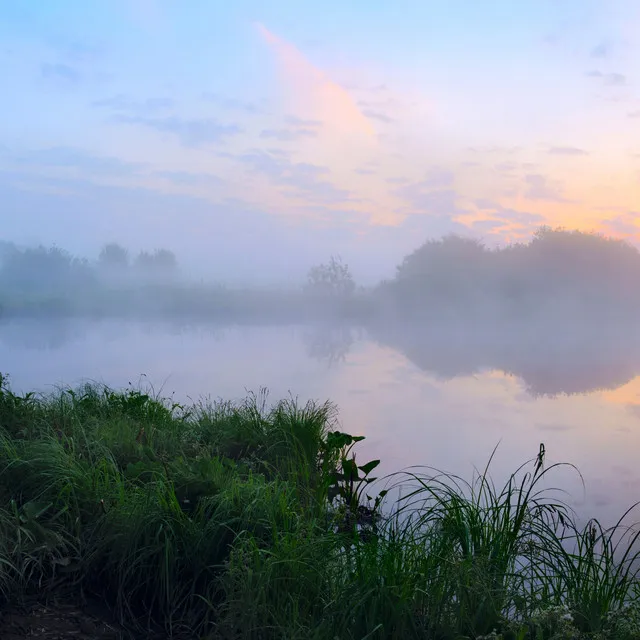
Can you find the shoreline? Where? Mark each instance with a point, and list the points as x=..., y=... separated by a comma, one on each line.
x=217, y=516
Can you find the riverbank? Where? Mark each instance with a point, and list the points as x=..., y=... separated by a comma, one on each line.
x=183, y=301
x=252, y=520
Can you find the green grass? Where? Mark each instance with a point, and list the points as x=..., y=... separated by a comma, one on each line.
x=254, y=520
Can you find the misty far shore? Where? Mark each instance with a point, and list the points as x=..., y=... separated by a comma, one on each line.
x=555, y=279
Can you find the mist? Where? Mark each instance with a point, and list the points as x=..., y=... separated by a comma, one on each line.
x=559, y=311
x=558, y=281
x=320, y=319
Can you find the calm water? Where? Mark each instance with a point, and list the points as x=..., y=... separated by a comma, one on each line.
x=442, y=402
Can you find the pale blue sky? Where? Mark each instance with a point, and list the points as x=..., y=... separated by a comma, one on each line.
x=255, y=136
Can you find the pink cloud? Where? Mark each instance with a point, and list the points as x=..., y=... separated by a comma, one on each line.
x=314, y=93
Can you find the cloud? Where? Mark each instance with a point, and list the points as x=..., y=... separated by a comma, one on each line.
x=365, y=172
x=615, y=79
x=506, y=167
x=233, y=104
x=432, y=195
x=302, y=122
x=539, y=187
x=186, y=178
x=60, y=73
x=73, y=62
x=634, y=114
x=485, y=203
x=427, y=192
x=440, y=201
x=435, y=222
x=520, y=218
x=495, y=149
x=278, y=166
x=194, y=132
x=121, y=102
x=303, y=179
x=398, y=180
x=609, y=79
x=314, y=93
x=298, y=129
x=601, y=50
x=288, y=135
x=625, y=224
x=375, y=115
x=567, y=151
x=505, y=219
x=278, y=153
x=83, y=161
x=75, y=50
x=489, y=225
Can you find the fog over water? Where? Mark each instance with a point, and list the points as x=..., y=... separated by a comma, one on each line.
x=460, y=349
x=444, y=398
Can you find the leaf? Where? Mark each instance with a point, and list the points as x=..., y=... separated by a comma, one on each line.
x=350, y=469
x=334, y=478
x=369, y=467
x=338, y=439
x=35, y=509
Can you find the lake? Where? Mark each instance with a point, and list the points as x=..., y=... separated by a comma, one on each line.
x=446, y=400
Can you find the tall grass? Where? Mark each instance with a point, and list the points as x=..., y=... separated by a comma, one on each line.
x=252, y=520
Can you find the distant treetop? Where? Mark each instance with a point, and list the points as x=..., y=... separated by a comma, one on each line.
x=113, y=255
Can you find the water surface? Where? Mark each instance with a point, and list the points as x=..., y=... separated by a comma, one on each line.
x=446, y=400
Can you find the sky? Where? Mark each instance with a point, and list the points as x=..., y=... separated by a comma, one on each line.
x=258, y=137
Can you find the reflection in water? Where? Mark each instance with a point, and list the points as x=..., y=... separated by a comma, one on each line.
x=439, y=398
x=549, y=362
x=55, y=333
x=329, y=343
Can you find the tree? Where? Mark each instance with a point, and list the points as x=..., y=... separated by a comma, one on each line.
x=114, y=255
x=7, y=250
x=159, y=260
x=43, y=270
x=165, y=259
x=443, y=258
x=331, y=279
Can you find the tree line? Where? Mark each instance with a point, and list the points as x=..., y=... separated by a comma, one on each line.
x=115, y=256
x=556, y=267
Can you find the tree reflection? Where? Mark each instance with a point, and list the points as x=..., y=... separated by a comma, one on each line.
x=563, y=361
x=329, y=343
